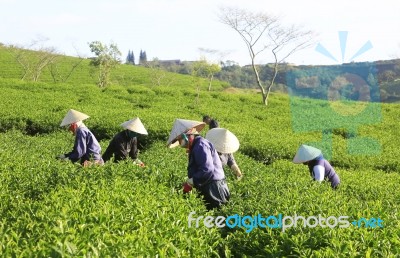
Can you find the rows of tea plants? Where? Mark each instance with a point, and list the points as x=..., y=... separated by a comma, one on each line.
x=56, y=209
x=52, y=208
x=266, y=133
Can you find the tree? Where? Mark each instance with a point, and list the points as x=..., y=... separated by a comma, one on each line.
x=387, y=76
x=211, y=65
x=130, y=59
x=142, y=58
x=107, y=58
x=262, y=32
x=158, y=76
x=34, y=58
x=206, y=69
x=63, y=74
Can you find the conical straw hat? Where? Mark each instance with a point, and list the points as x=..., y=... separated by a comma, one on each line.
x=181, y=126
x=135, y=125
x=73, y=116
x=306, y=153
x=223, y=140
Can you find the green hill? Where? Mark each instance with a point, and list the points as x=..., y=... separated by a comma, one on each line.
x=56, y=209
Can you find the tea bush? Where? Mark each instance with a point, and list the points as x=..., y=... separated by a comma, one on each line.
x=59, y=209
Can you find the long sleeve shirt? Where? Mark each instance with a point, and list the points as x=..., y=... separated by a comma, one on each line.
x=204, y=163
x=86, y=146
x=321, y=169
x=121, y=147
x=227, y=159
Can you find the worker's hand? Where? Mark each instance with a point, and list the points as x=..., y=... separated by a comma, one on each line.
x=139, y=163
x=235, y=168
x=62, y=157
x=187, y=187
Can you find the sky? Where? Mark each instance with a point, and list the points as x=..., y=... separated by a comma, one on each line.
x=179, y=29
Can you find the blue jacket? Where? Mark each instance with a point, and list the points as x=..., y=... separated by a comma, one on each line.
x=204, y=163
x=330, y=173
x=86, y=146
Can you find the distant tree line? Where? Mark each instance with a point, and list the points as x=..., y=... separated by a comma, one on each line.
x=130, y=58
x=385, y=73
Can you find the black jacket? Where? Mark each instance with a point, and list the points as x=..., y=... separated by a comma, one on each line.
x=121, y=147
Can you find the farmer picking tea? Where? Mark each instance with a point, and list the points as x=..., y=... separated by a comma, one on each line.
x=86, y=148
x=319, y=167
x=124, y=143
x=205, y=171
x=226, y=143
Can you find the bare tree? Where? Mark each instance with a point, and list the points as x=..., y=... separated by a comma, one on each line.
x=62, y=75
x=158, y=75
x=34, y=58
x=260, y=32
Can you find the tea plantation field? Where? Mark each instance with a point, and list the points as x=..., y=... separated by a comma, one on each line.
x=50, y=208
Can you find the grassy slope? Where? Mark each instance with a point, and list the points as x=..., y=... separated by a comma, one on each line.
x=57, y=209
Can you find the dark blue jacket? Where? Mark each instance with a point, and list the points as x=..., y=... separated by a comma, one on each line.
x=204, y=163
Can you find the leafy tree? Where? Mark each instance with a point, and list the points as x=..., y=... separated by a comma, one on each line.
x=206, y=69
x=143, y=58
x=107, y=58
x=262, y=32
x=130, y=59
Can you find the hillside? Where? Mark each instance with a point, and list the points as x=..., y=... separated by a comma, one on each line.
x=15, y=63
x=56, y=209
x=386, y=73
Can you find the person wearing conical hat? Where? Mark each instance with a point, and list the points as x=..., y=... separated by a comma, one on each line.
x=319, y=167
x=226, y=143
x=205, y=171
x=86, y=147
x=124, y=144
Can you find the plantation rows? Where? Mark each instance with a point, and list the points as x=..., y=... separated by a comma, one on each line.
x=52, y=208
x=55, y=209
x=266, y=134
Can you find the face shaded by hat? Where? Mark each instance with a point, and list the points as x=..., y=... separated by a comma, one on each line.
x=72, y=117
x=183, y=126
x=135, y=125
x=223, y=140
x=306, y=153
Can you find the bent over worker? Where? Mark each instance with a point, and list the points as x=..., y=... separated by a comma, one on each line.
x=318, y=166
x=124, y=144
x=226, y=143
x=205, y=171
x=86, y=148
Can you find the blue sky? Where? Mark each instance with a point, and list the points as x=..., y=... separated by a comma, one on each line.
x=177, y=29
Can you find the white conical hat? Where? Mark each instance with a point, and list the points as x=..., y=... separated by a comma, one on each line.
x=306, y=153
x=223, y=140
x=181, y=126
x=135, y=125
x=73, y=116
